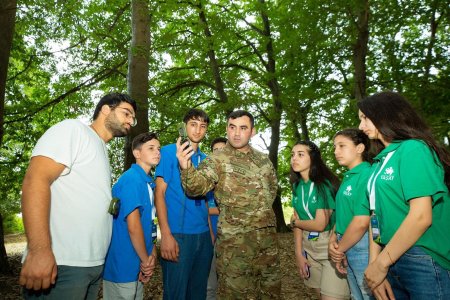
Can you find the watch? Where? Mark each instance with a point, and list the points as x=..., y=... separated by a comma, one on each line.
x=293, y=223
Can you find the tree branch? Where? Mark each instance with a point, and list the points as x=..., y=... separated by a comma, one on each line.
x=99, y=76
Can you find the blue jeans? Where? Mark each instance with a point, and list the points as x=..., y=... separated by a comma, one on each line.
x=358, y=259
x=71, y=283
x=417, y=276
x=187, y=278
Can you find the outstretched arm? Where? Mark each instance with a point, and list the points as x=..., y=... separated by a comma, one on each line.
x=39, y=268
x=196, y=182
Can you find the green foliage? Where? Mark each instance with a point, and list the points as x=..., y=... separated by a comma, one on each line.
x=67, y=54
x=13, y=224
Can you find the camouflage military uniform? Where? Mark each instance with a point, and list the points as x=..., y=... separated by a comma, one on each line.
x=245, y=186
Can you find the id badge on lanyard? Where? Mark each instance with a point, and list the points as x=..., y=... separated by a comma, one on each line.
x=154, y=229
x=375, y=225
x=375, y=228
x=313, y=235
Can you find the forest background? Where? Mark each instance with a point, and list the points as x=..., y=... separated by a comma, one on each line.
x=299, y=65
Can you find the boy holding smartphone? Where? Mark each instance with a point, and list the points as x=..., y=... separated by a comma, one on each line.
x=186, y=246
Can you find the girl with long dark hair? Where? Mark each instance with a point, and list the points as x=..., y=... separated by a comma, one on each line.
x=409, y=195
x=314, y=187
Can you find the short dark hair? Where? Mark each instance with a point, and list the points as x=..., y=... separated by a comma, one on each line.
x=218, y=140
x=240, y=113
x=196, y=114
x=143, y=138
x=113, y=100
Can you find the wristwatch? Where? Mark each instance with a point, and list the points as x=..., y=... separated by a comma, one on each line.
x=293, y=223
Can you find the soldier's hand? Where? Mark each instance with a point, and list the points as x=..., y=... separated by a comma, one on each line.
x=184, y=153
x=169, y=248
x=39, y=269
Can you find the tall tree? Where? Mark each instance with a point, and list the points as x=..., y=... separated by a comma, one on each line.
x=275, y=117
x=7, y=22
x=138, y=70
x=213, y=61
x=360, y=46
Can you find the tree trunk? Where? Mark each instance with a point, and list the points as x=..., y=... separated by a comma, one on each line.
x=429, y=56
x=275, y=125
x=138, y=71
x=360, y=49
x=214, y=65
x=7, y=22
x=4, y=265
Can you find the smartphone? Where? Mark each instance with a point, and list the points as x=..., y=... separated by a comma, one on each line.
x=306, y=266
x=182, y=133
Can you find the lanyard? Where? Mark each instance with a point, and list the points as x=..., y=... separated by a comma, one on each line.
x=306, y=205
x=198, y=161
x=150, y=194
x=373, y=179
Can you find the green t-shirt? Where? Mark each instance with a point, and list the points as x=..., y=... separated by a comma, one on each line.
x=413, y=171
x=306, y=199
x=351, y=198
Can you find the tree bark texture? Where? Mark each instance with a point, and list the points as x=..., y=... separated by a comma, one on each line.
x=4, y=265
x=213, y=63
x=275, y=120
x=138, y=71
x=360, y=49
x=7, y=22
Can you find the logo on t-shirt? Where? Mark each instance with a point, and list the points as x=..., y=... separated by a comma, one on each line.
x=314, y=200
x=388, y=174
x=348, y=191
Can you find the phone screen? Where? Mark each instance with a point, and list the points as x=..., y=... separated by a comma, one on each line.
x=182, y=133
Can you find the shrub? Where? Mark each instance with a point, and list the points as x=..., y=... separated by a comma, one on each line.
x=13, y=224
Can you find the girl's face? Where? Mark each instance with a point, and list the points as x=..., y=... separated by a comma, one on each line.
x=300, y=159
x=346, y=152
x=367, y=126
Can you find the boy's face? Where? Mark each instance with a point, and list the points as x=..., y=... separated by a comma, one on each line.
x=218, y=146
x=149, y=153
x=196, y=130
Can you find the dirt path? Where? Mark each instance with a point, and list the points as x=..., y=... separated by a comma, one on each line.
x=292, y=286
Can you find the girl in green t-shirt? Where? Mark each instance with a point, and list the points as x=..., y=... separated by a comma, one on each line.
x=409, y=194
x=349, y=243
x=314, y=188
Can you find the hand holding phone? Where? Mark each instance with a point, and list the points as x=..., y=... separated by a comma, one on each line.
x=306, y=266
x=183, y=134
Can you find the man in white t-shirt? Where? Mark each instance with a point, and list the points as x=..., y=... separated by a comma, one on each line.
x=65, y=198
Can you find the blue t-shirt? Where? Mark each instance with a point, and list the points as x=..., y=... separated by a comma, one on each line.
x=122, y=263
x=185, y=215
x=214, y=218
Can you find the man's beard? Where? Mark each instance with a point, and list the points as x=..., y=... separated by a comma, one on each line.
x=115, y=127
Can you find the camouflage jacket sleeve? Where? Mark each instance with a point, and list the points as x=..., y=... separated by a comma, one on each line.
x=198, y=182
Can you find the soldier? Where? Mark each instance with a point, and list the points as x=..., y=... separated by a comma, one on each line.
x=245, y=185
